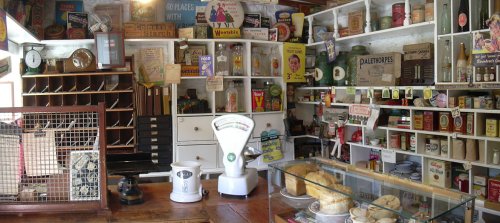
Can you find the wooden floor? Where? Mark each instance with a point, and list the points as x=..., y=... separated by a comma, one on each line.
x=159, y=208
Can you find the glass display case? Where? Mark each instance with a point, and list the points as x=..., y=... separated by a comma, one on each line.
x=321, y=190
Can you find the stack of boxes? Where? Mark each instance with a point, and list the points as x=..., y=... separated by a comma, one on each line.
x=154, y=135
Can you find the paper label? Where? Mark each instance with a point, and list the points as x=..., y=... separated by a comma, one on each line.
x=409, y=93
x=455, y=112
x=395, y=93
x=351, y=90
x=427, y=93
x=215, y=83
x=173, y=73
x=388, y=156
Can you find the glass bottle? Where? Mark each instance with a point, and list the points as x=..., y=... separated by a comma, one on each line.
x=492, y=73
x=446, y=62
x=267, y=96
x=445, y=20
x=256, y=61
x=231, y=98
x=221, y=60
x=486, y=75
x=352, y=77
x=479, y=75
x=275, y=62
x=237, y=60
x=461, y=65
x=470, y=68
x=265, y=62
x=463, y=16
x=496, y=156
x=483, y=15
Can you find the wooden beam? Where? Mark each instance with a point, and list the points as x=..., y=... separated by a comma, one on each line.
x=301, y=2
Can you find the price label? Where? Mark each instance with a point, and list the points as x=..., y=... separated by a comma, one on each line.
x=467, y=166
x=371, y=91
x=427, y=93
x=455, y=112
x=454, y=135
x=332, y=89
x=351, y=90
x=409, y=93
x=386, y=93
x=395, y=93
x=389, y=156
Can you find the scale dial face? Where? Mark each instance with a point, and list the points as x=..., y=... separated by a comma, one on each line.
x=33, y=59
x=82, y=58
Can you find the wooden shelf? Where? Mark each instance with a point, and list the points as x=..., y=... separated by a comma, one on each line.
x=78, y=74
x=78, y=92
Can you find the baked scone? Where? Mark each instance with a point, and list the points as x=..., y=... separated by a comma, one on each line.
x=296, y=186
x=388, y=201
x=335, y=203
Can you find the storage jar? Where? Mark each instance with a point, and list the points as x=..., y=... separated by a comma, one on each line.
x=323, y=71
x=385, y=22
x=340, y=69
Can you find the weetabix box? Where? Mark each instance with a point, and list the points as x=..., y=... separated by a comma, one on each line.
x=439, y=173
x=379, y=69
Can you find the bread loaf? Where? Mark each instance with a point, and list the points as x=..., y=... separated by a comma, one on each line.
x=387, y=201
x=322, y=178
x=294, y=185
x=336, y=203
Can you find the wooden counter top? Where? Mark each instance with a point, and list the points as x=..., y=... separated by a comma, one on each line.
x=159, y=208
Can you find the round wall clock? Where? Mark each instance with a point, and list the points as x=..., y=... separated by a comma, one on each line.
x=82, y=58
x=224, y=14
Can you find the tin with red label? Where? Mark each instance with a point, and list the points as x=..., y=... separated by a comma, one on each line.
x=445, y=122
x=398, y=14
x=395, y=141
x=460, y=123
x=430, y=121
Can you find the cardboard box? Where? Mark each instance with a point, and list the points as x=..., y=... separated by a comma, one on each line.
x=420, y=51
x=439, y=173
x=479, y=191
x=460, y=123
x=418, y=120
x=493, y=189
x=379, y=69
x=470, y=124
x=480, y=180
x=356, y=21
x=258, y=100
x=491, y=127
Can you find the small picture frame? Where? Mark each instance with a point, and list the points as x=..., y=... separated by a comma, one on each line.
x=273, y=34
x=110, y=49
x=84, y=176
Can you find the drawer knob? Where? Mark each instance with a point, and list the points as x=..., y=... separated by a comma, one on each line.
x=198, y=158
x=196, y=128
x=268, y=125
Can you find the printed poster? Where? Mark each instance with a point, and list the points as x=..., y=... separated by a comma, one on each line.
x=486, y=49
x=62, y=9
x=294, y=60
x=4, y=44
x=184, y=13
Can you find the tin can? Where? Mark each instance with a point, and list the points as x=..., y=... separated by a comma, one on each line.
x=444, y=147
x=429, y=11
x=433, y=147
x=385, y=22
x=395, y=141
x=452, y=102
x=477, y=102
x=413, y=142
x=489, y=103
x=404, y=141
x=418, y=14
x=398, y=14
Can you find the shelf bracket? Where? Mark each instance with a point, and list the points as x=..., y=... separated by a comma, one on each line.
x=368, y=28
x=310, y=40
x=335, y=23
x=407, y=21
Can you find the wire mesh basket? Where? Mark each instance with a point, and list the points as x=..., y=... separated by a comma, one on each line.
x=51, y=157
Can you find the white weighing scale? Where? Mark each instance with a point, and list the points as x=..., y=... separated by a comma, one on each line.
x=233, y=132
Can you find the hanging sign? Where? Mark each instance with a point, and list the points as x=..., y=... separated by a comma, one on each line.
x=183, y=12
x=360, y=110
x=294, y=56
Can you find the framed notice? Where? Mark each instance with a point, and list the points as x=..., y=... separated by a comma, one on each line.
x=110, y=49
x=294, y=62
x=143, y=11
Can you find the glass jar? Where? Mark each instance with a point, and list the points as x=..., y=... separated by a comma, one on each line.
x=237, y=60
x=323, y=71
x=429, y=10
x=256, y=61
x=340, y=69
x=275, y=62
x=265, y=62
x=352, y=59
x=496, y=156
x=418, y=14
x=221, y=60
